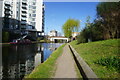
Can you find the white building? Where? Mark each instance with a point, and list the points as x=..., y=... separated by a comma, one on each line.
x=74, y=34
x=26, y=15
x=35, y=14
x=53, y=33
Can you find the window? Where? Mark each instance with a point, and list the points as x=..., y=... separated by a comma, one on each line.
x=34, y=7
x=33, y=19
x=33, y=23
x=34, y=15
x=34, y=3
x=34, y=11
x=29, y=15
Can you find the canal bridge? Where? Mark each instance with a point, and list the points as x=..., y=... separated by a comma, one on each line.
x=57, y=38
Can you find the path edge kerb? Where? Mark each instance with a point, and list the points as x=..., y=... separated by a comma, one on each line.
x=85, y=70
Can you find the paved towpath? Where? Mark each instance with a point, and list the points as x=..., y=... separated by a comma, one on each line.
x=66, y=65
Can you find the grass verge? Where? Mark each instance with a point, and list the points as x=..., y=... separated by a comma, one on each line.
x=102, y=56
x=46, y=69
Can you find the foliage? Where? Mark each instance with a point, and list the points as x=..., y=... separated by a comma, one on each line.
x=46, y=69
x=82, y=38
x=91, y=32
x=108, y=13
x=110, y=62
x=5, y=36
x=106, y=26
x=70, y=26
x=94, y=51
x=14, y=36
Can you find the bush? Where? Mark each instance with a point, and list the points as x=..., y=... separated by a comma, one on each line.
x=84, y=36
x=5, y=36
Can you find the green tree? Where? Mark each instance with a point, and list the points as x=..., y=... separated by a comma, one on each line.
x=89, y=28
x=71, y=25
x=109, y=12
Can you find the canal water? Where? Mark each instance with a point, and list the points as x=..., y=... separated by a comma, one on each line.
x=20, y=60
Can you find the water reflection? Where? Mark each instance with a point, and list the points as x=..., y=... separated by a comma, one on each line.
x=20, y=60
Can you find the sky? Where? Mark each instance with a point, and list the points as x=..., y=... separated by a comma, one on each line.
x=57, y=13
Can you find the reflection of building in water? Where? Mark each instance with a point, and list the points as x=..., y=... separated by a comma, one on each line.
x=19, y=62
x=29, y=66
x=20, y=69
x=37, y=59
x=0, y=72
x=39, y=55
x=54, y=46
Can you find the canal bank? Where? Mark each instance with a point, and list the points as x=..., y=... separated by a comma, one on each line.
x=46, y=69
x=61, y=64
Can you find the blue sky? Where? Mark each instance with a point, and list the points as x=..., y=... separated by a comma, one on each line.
x=56, y=13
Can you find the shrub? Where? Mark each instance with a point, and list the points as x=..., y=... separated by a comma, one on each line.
x=5, y=36
x=110, y=62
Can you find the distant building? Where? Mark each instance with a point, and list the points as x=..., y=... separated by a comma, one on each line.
x=74, y=34
x=53, y=33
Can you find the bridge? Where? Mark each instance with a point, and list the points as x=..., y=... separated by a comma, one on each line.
x=57, y=38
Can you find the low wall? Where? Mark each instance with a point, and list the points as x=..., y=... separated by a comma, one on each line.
x=84, y=69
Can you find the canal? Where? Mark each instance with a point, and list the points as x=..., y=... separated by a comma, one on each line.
x=20, y=60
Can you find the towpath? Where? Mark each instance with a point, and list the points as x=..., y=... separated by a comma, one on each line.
x=66, y=65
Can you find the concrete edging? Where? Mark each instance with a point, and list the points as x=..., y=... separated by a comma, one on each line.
x=85, y=70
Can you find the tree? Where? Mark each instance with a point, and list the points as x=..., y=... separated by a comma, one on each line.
x=91, y=32
x=89, y=28
x=70, y=26
x=109, y=13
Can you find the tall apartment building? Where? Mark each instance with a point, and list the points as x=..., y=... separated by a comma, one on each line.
x=23, y=15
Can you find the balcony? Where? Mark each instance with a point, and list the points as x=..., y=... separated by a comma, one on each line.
x=23, y=22
x=24, y=3
x=23, y=16
x=23, y=26
x=24, y=7
x=24, y=12
x=23, y=19
x=24, y=0
x=7, y=7
x=7, y=12
x=7, y=3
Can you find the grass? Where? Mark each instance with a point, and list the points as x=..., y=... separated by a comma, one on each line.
x=46, y=69
x=102, y=56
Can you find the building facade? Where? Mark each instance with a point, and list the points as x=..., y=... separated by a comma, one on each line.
x=24, y=16
x=75, y=34
x=53, y=33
